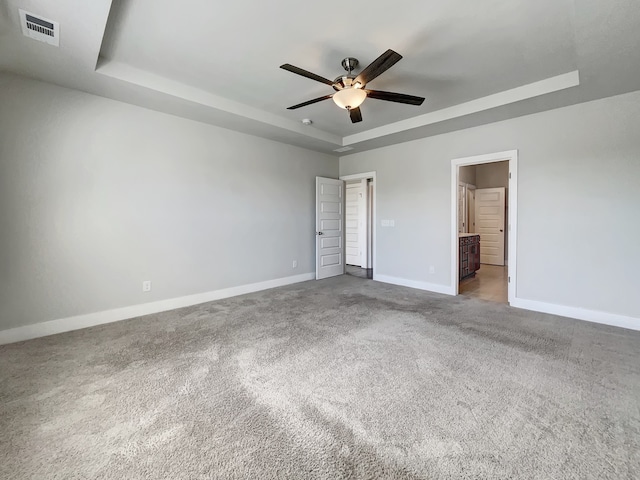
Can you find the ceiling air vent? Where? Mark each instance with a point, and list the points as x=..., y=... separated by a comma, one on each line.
x=39, y=28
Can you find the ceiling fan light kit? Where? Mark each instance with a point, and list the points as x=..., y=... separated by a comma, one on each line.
x=350, y=92
x=349, y=97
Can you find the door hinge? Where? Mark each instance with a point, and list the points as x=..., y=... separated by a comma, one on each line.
x=508, y=279
x=509, y=174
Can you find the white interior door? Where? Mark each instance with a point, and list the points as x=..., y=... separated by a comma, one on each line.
x=471, y=209
x=352, y=224
x=490, y=224
x=329, y=221
x=462, y=210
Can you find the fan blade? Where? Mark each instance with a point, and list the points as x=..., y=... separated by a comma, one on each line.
x=395, y=97
x=315, y=100
x=304, y=73
x=355, y=114
x=380, y=65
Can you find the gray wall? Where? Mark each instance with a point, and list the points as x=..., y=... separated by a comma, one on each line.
x=467, y=174
x=97, y=196
x=577, y=202
x=491, y=175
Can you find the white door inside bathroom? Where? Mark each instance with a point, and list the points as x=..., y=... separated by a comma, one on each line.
x=489, y=219
x=462, y=210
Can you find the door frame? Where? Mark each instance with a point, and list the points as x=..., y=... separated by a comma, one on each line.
x=512, y=157
x=372, y=176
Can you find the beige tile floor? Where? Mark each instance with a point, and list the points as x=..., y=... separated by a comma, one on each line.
x=490, y=283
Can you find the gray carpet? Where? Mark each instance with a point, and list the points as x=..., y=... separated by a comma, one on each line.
x=338, y=379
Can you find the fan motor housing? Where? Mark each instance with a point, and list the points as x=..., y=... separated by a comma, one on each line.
x=349, y=64
x=344, y=81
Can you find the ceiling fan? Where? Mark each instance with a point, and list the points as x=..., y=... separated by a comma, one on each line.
x=350, y=89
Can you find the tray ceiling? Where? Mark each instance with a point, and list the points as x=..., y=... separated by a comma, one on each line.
x=218, y=63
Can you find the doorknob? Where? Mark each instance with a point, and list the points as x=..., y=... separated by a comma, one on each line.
x=320, y=233
x=501, y=230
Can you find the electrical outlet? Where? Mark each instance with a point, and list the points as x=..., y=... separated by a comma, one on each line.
x=146, y=286
x=432, y=269
x=295, y=264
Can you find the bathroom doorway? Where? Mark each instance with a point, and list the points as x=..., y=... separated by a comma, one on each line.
x=485, y=215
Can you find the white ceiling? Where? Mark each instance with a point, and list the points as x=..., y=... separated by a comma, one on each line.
x=475, y=62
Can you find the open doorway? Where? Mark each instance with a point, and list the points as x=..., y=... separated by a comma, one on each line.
x=485, y=214
x=359, y=223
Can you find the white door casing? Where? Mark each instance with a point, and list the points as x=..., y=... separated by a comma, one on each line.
x=490, y=203
x=352, y=224
x=363, y=223
x=370, y=222
x=512, y=227
x=329, y=227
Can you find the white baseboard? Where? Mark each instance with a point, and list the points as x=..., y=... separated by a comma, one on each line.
x=431, y=287
x=593, y=316
x=61, y=325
